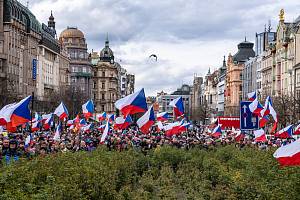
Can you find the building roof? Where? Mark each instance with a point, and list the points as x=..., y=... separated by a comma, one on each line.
x=106, y=54
x=245, y=51
x=72, y=32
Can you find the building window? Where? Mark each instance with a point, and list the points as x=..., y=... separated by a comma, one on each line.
x=84, y=69
x=94, y=84
x=73, y=79
x=103, y=74
x=94, y=96
x=103, y=85
x=103, y=108
x=103, y=98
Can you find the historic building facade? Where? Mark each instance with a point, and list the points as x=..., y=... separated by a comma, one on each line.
x=110, y=80
x=73, y=40
x=235, y=65
x=20, y=34
x=221, y=88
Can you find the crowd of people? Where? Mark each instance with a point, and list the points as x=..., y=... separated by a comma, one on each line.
x=14, y=146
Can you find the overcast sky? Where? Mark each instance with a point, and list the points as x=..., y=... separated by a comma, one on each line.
x=188, y=36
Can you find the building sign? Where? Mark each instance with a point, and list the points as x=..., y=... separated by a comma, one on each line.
x=229, y=122
x=248, y=120
x=49, y=30
x=34, y=69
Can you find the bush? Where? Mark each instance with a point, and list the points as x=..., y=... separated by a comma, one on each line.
x=165, y=173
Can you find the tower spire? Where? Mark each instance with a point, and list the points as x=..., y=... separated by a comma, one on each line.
x=224, y=62
x=106, y=40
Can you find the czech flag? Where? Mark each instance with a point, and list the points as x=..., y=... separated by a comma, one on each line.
x=5, y=114
x=217, y=132
x=61, y=111
x=297, y=130
x=266, y=110
x=102, y=116
x=172, y=128
x=36, y=126
x=57, y=132
x=162, y=116
x=111, y=118
x=105, y=132
x=255, y=107
x=252, y=96
x=146, y=121
x=101, y=128
x=131, y=104
x=88, y=109
x=274, y=115
x=183, y=127
x=285, y=133
x=47, y=121
x=177, y=104
x=88, y=128
x=288, y=155
x=76, y=120
x=37, y=117
x=122, y=123
x=260, y=136
x=263, y=121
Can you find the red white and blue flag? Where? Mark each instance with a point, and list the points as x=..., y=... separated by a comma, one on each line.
x=164, y=116
x=57, y=132
x=88, y=109
x=178, y=106
x=146, y=121
x=263, y=121
x=217, y=132
x=255, y=107
x=102, y=116
x=252, y=96
x=297, y=130
x=260, y=136
x=285, y=132
x=105, y=132
x=288, y=155
x=123, y=123
x=111, y=118
x=61, y=111
x=131, y=104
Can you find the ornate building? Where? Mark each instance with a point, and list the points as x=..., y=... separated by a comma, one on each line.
x=108, y=79
x=20, y=33
x=233, y=89
x=73, y=40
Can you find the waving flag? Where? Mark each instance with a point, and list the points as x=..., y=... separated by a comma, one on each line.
x=101, y=127
x=28, y=140
x=131, y=104
x=47, y=121
x=288, y=155
x=61, y=111
x=5, y=114
x=57, y=132
x=122, y=123
x=217, y=132
x=285, y=133
x=260, y=136
x=183, y=127
x=297, y=130
x=177, y=104
x=37, y=117
x=146, y=121
x=105, y=132
x=88, y=109
x=255, y=107
x=172, y=128
x=102, y=116
x=274, y=115
x=160, y=126
x=263, y=121
x=162, y=116
x=252, y=96
x=88, y=128
x=16, y=114
x=266, y=110
x=70, y=122
x=36, y=126
x=111, y=118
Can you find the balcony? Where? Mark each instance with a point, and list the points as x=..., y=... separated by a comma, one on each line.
x=83, y=74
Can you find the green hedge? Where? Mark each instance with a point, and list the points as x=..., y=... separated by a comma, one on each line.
x=165, y=173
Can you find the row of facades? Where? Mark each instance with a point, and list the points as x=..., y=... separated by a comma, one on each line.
x=34, y=59
x=273, y=69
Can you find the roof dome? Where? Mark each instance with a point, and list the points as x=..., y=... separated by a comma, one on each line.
x=245, y=51
x=106, y=54
x=72, y=32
